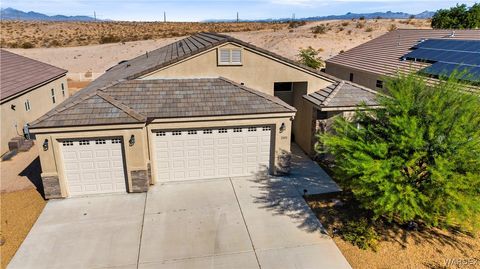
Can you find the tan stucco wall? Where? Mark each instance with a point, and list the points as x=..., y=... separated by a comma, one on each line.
x=302, y=126
x=363, y=78
x=136, y=156
x=40, y=102
x=257, y=71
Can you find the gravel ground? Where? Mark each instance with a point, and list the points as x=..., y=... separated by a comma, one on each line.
x=19, y=211
x=429, y=248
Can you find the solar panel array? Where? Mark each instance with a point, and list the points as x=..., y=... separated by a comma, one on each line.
x=448, y=56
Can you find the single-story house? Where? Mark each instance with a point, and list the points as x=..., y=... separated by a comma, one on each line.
x=369, y=63
x=28, y=89
x=206, y=106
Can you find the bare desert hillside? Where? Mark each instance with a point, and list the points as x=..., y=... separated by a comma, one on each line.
x=329, y=37
x=33, y=34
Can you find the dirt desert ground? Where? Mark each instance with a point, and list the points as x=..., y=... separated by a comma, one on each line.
x=85, y=63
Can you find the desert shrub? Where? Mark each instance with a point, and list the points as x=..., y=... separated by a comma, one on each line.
x=345, y=23
x=360, y=233
x=109, y=39
x=55, y=43
x=12, y=45
x=27, y=45
x=296, y=24
x=309, y=57
x=360, y=25
x=349, y=32
x=416, y=159
x=392, y=27
x=362, y=18
x=340, y=29
x=319, y=29
x=369, y=29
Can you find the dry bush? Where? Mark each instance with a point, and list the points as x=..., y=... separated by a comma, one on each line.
x=360, y=25
x=369, y=29
x=392, y=27
x=319, y=29
x=345, y=23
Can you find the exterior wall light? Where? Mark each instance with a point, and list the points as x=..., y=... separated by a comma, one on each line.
x=131, y=141
x=45, y=145
x=282, y=127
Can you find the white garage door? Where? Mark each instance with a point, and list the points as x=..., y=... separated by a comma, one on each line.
x=94, y=166
x=211, y=153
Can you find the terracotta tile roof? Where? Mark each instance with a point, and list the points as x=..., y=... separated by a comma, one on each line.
x=383, y=55
x=342, y=94
x=19, y=73
x=134, y=101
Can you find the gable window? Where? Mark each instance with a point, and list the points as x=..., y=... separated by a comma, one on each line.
x=351, y=77
x=63, y=90
x=53, y=96
x=27, y=105
x=379, y=84
x=230, y=56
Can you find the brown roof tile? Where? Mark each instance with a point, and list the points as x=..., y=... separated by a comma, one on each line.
x=383, y=55
x=134, y=101
x=342, y=94
x=19, y=73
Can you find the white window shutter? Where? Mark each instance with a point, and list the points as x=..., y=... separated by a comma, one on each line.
x=225, y=56
x=236, y=56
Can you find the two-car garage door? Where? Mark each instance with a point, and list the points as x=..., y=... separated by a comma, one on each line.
x=96, y=165
x=211, y=152
x=93, y=166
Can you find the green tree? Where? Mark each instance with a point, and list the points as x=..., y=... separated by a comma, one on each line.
x=473, y=17
x=310, y=58
x=415, y=159
x=458, y=17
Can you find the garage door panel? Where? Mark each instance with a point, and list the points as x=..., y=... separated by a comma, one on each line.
x=94, y=166
x=102, y=164
x=211, y=153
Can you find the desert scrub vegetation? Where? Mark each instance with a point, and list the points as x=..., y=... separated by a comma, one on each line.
x=319, y=29
x=310, y=58
x=22, y=34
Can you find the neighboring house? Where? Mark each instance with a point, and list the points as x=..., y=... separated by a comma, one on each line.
x=28, y=89
x=207, y=106
x=368, y=64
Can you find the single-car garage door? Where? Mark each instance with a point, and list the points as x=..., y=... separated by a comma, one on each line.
x=211, y=153
x=94, y=166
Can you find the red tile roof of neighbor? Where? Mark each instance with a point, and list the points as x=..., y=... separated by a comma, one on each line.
x=383, y=55
x=19, y=73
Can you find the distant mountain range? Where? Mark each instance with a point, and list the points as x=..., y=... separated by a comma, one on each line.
x=15, y=14
x=348, y=16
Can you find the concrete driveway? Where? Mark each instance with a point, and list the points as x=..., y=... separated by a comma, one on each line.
x=250, y=222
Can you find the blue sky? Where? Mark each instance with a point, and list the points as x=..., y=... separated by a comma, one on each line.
x=189, y=10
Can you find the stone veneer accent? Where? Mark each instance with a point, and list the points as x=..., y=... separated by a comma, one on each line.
x=149, y=173
x=51, y=187
x=140, y=180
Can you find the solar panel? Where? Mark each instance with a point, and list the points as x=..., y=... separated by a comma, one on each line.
x=449, y=56
x=464, y=72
